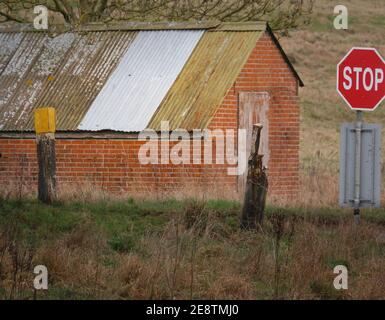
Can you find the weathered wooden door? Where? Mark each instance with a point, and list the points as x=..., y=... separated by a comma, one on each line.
x=253, y=108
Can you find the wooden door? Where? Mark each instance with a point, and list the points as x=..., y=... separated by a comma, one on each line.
x=253, y=108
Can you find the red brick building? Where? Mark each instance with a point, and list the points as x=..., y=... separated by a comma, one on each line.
x=109, y=83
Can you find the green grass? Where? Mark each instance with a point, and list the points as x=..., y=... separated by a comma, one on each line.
x=378, y=20
x=116, y=249
x=124, y=222
x=127, y=220
x=121, y=221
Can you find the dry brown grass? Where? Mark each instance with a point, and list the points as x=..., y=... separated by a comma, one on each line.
x=203, y=187
x=199, y=253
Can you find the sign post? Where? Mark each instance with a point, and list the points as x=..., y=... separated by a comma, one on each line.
x=361, y=83
x=357, y=168
x=45, y=127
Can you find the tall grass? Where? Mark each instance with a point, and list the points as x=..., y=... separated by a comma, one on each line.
x=184, y=250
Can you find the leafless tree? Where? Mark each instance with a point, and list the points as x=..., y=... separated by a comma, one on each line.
x=282, y=14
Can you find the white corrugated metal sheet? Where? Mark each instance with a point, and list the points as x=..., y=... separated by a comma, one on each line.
x=141, y=81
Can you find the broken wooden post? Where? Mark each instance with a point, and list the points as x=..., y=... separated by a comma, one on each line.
x=256, y=185
x=45, y=127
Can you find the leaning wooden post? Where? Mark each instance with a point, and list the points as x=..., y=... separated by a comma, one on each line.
x=45, y=127
x=256, y=186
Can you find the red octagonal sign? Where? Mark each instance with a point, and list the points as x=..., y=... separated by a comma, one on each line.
x=361, y=79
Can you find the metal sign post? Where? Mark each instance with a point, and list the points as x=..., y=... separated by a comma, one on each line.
x=357, y=168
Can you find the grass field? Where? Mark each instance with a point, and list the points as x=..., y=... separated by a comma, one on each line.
x=182, y=250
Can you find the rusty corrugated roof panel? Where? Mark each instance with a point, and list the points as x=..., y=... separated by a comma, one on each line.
x=65, y=72
x=86, y=70
x=15, y=77
x=140, y=82
x=9, y=44
x=180, y=75
x=203, y=83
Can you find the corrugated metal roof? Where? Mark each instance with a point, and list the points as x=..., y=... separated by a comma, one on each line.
x=9, y=44
x=65, y=72
x=144, y=76
x=124, y=80
x=205, y=80
x=86, y=70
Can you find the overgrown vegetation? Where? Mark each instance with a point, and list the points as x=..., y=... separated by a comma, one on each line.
x=181, y=250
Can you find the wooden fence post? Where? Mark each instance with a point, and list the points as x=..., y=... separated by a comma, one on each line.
x=256, y=186
x=45, y=127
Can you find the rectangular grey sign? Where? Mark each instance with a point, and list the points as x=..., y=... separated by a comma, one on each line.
x=370, y=165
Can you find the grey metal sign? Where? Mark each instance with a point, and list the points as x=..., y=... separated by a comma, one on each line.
x=364, y=190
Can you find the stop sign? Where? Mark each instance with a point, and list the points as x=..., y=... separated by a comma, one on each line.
x=361, y=79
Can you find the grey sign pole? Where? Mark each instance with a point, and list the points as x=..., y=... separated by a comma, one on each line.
x=357, y=168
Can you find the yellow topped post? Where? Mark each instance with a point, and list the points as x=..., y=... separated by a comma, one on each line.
x=45, y=120
x=45, y=127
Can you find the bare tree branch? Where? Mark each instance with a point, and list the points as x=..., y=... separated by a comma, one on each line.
x=60, y=7
x=99, y=8
x=9, y=17
x=282, y=14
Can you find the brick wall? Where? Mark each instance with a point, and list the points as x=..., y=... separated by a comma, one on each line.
x=267, y=71
x=110, y=165
x=113, y=165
